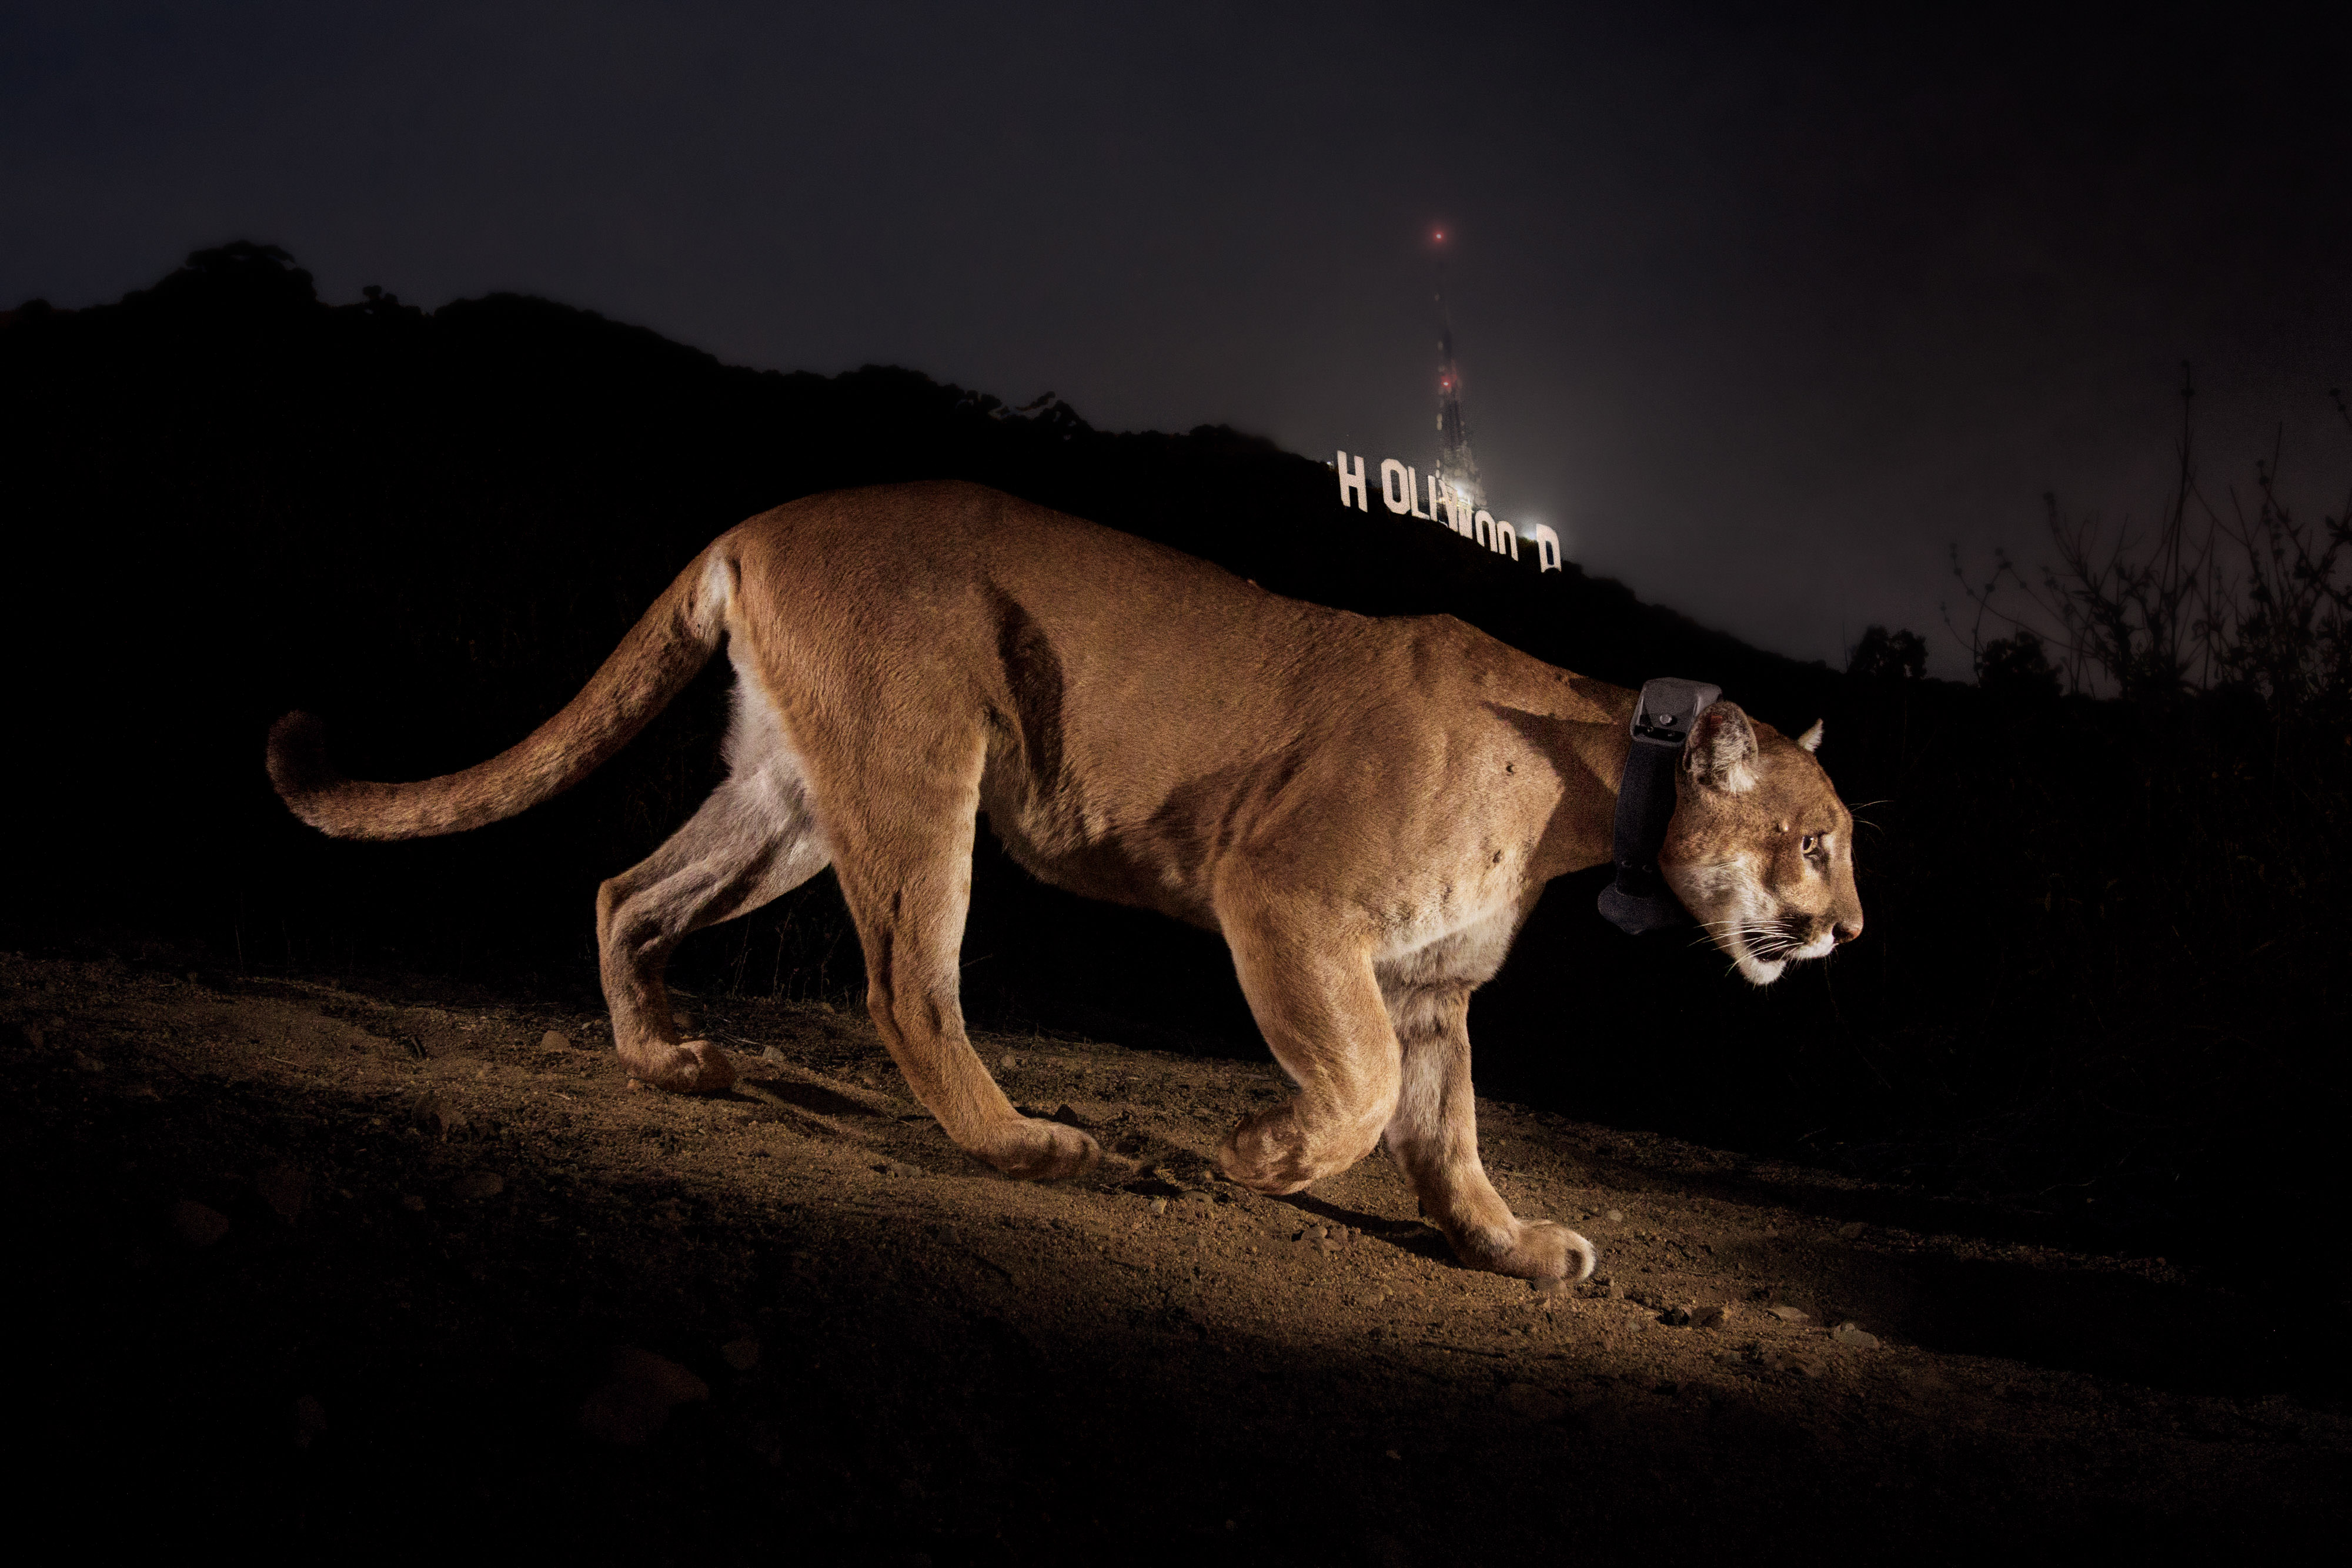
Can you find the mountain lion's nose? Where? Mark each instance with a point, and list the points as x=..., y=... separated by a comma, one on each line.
x=1847, y=930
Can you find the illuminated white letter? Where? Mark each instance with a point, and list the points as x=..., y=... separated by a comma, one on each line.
x=1484, y=524
x=1504, y=530
x=1546, y=548
x=1437, y=500
x=1413, y=488
x=1396, y=490
x=1351, y=482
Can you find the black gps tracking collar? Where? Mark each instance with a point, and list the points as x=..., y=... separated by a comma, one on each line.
x=1639, y=900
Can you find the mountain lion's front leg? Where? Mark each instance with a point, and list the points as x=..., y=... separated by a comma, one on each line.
x=1434, y=1139
x=1318, y=1005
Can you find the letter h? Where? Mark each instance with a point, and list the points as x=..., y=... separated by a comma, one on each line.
x=1352, y=482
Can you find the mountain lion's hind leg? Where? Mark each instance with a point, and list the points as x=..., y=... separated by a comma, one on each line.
x=754, y=840
x=1434, y=1139
x=902, y=848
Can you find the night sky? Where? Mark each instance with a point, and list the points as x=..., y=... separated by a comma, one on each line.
x=1760, y=314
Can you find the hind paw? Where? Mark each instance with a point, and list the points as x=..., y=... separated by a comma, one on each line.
x=697, y=1067
x=1031, y=1150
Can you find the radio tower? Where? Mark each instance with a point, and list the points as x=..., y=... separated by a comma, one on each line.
x=1457, y=466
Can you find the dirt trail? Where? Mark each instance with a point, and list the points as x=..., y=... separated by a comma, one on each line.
x=334, y=1266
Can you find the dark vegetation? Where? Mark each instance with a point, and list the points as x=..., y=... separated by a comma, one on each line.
x=2104, y=984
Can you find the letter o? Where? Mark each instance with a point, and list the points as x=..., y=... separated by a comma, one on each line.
x=1396, y=490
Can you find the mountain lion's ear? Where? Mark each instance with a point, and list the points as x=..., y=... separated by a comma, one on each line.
x=1812, y=739
x=1721, y=748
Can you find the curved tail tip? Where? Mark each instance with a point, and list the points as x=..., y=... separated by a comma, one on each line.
x=298, y=763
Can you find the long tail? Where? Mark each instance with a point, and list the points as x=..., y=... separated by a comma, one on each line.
x=661, y=653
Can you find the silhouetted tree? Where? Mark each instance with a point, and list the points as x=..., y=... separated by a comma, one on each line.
x=2017, y=666
x=1884, y=656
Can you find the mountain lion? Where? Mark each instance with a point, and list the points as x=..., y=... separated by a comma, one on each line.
x=1365, y=808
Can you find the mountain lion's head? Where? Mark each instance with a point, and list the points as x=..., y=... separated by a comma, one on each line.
x=1762, y=849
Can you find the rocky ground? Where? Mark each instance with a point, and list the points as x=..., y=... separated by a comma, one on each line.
x=399, y=1266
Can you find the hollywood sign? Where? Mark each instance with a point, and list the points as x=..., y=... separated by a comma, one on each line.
x=1402, y=492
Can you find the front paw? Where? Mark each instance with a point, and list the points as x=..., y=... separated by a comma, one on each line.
x=1266, y=1154
x=1531, y=1249
x=1031, y=1150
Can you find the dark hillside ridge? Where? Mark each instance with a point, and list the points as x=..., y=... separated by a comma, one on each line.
x=2089, y=972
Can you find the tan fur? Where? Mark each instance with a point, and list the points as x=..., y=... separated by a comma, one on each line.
x=1365, y=808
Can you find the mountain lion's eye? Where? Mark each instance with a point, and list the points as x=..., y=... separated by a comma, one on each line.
x=1811, y=843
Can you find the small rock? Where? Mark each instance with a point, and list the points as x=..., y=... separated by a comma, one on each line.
x=438, y=1117
x=1158, y=1206
x=411, y=1202
x=197, y=1225
x=634, y=1402
x=84, y=1063
x=1008, y=1061
x=1852, y=1336
x=1318, y=1232
x=742, y=1354
x=1851, y=1231
x=285, y=1189
x=554, y=1039
x=310, y=1421
x=1202, y=1198
x=1790, y=1314
x=476, y=1185
x=1715, y=1316
x=1675, y=1317
x=1614, y=1217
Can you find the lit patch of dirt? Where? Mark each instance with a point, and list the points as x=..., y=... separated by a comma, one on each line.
x=468, y=1284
